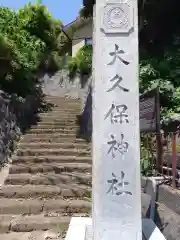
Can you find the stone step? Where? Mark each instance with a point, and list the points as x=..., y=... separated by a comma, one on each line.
x=58, y=102
x=69, y=108
x=61, y=112
x=66, y=98
x=60, y=127
x=66, y=110
x=45, y=191
x=50, y=167
x=58, y=115
x=49, y=97
x=66, y=106
x=34, y=235
x=54, y=125
x=52, y=130
x=63, y=131
x=57, y=119
x=63, y=101
x=48, y=179
x=32, y=159
x=60, y=119
x=32, y=223
x=24, y=145
x=56, y=154
x=37, y=206
x=41, y=128
x=52, y=137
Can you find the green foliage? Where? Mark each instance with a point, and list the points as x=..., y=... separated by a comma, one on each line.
x=86, y=12
x=39, y=22
x=82, y=62
x=52, y=62
x=28, y=42
x=163, y=71
x=147, y=157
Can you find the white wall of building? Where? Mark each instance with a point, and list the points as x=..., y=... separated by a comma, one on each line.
x=80, y=35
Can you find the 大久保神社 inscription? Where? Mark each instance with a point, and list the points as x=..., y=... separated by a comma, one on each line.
x=117, y=114
x=117, y=55
x=116, y=166
x=117, y=185
x=117, y=146
x=117, y=84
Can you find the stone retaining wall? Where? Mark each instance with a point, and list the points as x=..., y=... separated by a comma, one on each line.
x=61, y=85
x=15, y=116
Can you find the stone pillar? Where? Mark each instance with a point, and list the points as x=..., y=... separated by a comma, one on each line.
x=116, y=157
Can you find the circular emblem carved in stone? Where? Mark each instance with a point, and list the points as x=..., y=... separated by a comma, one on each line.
x=117, y=18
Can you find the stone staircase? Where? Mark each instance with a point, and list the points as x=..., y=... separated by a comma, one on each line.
x=49, y=178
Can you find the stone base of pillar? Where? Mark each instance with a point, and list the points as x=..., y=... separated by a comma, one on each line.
x=81, y=228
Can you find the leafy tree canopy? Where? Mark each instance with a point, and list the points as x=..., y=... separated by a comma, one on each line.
x=29, y=44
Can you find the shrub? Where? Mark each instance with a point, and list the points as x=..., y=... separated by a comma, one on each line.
x=29, y=46
x=82, y=62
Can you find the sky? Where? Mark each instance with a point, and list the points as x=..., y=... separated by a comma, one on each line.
x=64, y=10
